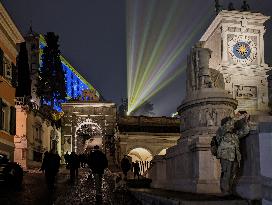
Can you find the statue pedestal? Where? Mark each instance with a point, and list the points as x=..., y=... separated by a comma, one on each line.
x=190, y=166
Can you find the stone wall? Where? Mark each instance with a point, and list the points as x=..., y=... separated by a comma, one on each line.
x=255, y=179
x=33, y=137
x=153, y=134
x=76, y=114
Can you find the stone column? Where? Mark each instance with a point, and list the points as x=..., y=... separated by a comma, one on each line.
x=224, y=44
x=261, y=40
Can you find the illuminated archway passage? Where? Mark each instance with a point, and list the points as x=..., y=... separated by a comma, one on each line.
x=143, y=157
x=158, y=32
x=87, y=135
x=162, y=152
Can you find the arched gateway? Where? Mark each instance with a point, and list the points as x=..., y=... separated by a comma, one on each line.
x=86, y=124
x=144, y=137
x=87, y=135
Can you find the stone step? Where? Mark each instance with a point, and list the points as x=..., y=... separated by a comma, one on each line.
x=166, y=197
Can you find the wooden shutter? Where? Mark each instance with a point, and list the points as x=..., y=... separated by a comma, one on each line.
x=1, y=105
x=12, y=120
x=14, y=80
x=1, y=62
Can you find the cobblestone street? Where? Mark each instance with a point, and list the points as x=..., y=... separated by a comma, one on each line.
x=34, y=190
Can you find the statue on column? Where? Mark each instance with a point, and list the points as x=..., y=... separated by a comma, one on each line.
x=225, y=146
x=198, y=71
x=218, y=7
x=245, y=6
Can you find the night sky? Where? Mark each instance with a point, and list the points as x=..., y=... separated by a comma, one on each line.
x=93, y=39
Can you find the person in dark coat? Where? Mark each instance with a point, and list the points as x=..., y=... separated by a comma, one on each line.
x=136, y=169
x=125, y=165
x=50, y=166
x=66, y=158
x=73, y=166
x=82, y=160
x=97, y=161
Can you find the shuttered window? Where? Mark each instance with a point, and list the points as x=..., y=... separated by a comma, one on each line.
x=12, y=120
x=1, y=115
x=14, y=80
x=1, y=62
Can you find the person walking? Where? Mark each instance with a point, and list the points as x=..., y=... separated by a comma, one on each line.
x=97, y=161
x=66, y=158
x=136, y=169
x=125, y=165
x=82, y=160
x=50, y=166
x=73, y=166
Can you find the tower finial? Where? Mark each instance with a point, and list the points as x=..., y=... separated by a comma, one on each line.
x=245, y=6
x=218, y=7
x=30, y=31
x=231, y=7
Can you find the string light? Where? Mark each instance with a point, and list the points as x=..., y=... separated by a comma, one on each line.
x=75, y=83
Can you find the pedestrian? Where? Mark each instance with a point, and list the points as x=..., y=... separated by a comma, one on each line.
x=82, y=160
x=66, y=158
x=125, y=165
x=136, y=169
x=97, y=161
x=73, y=166
x=132, y=167
x=50, y=166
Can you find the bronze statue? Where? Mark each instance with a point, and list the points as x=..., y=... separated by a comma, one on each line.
x=245, y=6
x=231, y=7
x=218, y=7
x=225, y=146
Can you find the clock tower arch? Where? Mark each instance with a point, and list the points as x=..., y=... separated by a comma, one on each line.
x=237, y=42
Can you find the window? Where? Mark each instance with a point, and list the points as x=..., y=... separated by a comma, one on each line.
x=23, y=154
x=5, y=117
x=37, y=133
x=33, y=67
x=8, y=70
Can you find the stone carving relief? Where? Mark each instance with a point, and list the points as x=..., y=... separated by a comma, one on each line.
x=198, y=72
x=218, y=79
x=228, y=79
x=211, y=116
x=245, y=92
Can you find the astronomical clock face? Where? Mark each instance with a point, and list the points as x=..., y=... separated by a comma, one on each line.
x=242, y=49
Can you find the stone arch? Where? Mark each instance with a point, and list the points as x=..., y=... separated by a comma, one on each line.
x=150, y=150
x=140, y=153
x=95, y=139
x=163, y=151
x=142, y=156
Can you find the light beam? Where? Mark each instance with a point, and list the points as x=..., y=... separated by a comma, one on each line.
x=158, y=33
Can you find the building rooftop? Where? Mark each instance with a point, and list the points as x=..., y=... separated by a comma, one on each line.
x=148, y=124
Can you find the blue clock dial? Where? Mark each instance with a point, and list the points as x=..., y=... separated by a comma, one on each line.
x=241, y=50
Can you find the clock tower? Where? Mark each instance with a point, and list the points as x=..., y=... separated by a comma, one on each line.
x=237, y=44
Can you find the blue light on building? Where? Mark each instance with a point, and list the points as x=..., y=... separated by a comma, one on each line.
x=75, y=83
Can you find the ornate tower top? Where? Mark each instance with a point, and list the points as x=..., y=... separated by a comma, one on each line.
x=236, y=39
x=231, y=27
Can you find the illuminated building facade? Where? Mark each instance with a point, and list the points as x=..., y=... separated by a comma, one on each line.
x=9, y=37
x=34, y=135
x=75, y=83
